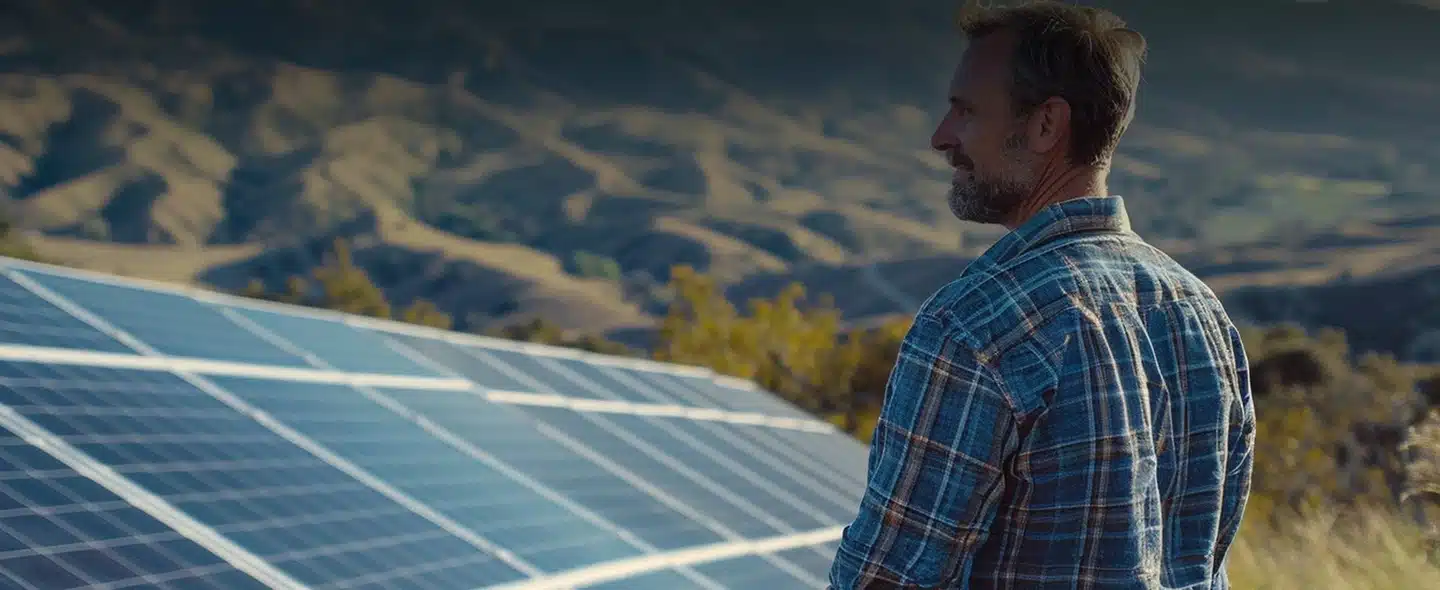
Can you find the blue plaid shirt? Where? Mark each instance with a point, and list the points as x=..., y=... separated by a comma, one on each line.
x=1073, y=412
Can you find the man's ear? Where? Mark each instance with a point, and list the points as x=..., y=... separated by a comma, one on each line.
x=1049, y=125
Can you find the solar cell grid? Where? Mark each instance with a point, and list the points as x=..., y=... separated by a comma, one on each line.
x=513, y=437
x=656, y=580
x=836, y=502
x=700, y=462
x=752, y=571
x=825, y=452
x=832, y=457
x=337, y=345
x=230, y=472
x=668, y=385
x=455, y=359
x=800, y=462
x=716, y=503
x=539, y=373
x=613, y=379
x=738, y=398
x=777, y=463
x=814, y=558
x=402, y=453
x=26, y=318
x=59, y=529
x=172, y=324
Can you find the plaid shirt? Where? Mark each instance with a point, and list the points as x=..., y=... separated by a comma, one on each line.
x=1073, y=412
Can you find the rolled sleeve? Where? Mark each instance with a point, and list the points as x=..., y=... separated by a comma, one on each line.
x=936, y=469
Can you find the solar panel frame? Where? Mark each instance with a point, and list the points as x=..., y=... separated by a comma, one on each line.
x=726, y=425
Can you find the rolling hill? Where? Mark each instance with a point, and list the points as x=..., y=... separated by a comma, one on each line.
x=477, y=153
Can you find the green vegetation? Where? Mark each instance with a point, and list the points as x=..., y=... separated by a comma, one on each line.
x=801, y=353
x=341, y=285
x=539, y=331
x=13, y=245
x=589, y=265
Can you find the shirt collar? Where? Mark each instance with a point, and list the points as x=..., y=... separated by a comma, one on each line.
x=1072, y=216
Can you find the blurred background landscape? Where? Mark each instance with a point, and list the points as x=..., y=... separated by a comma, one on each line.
x=541, y=170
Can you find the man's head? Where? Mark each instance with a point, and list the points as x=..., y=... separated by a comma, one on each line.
x=1043, y=92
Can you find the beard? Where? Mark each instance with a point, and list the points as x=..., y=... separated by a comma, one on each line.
x=992, y=197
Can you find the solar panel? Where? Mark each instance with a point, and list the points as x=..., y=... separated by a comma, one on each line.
x=171, y=323
x=60, y=529
x=159, y=437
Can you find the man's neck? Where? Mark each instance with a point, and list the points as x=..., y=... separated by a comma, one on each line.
x=1058, y=187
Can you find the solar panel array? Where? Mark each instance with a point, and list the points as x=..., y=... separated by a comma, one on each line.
x=158, y=437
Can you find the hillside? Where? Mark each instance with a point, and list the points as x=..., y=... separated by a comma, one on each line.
x=494, y=159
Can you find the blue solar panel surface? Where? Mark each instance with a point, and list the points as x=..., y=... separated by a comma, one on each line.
x=726, y=510
x=621, y=383
x=457, y=360
x=240, y=478
x=509, y=434
x=169, y=323
x=337, y=485
x=403, y=454
x=335, y=344
x=750, y=572
x=767, y=498
x=771, y=466
x=26, y=318
x=59, y=529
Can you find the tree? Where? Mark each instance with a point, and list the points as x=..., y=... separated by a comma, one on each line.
x=542, y=332
x=423, y=312
x=347, y=288
x=801, y=353
x=12, y=244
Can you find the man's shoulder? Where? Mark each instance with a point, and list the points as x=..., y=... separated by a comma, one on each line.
x=993, y=303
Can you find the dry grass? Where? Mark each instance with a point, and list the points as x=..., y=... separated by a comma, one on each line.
x=156, y=262
x=1378, y=552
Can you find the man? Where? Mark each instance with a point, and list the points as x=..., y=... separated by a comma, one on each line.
x=1074, y=410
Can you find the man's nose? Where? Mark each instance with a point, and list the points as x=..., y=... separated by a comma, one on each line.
x=943, y=138
x=940, y=141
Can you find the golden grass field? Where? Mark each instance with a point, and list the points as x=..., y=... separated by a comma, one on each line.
x=1381, y=554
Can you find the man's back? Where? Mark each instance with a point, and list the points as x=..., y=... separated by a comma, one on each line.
x=1073, y=412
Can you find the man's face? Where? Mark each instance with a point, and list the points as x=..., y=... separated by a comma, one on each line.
x=983, y=138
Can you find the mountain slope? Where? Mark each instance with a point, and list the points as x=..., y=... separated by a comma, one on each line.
x=496, y=145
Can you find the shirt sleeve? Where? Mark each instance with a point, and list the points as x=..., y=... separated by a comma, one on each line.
x=944, y=432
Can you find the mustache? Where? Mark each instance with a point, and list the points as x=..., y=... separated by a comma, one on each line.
x=960, y=160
